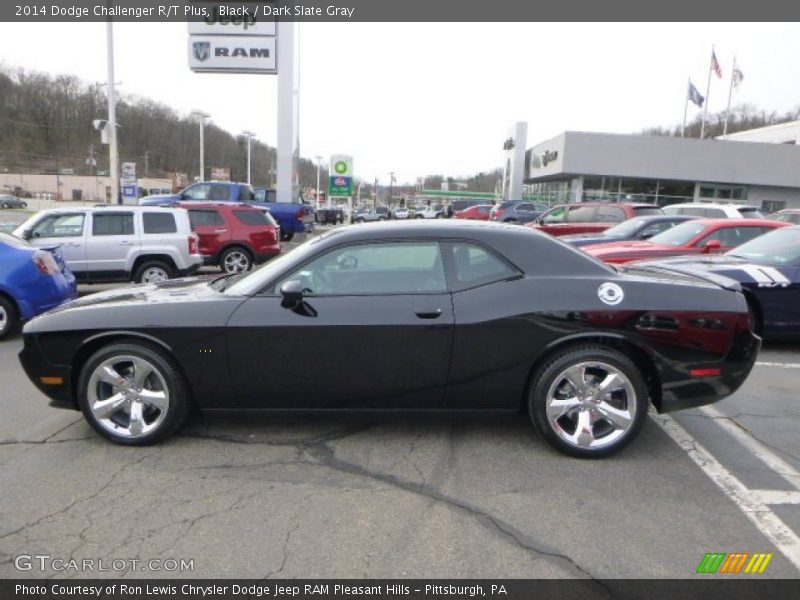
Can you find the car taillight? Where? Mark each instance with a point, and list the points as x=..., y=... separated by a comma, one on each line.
x=193, y=243
x=300, y=213
x=45, y=262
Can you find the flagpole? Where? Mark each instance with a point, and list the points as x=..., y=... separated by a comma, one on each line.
x=730, y=93
x=708, y=91
x=685, y=107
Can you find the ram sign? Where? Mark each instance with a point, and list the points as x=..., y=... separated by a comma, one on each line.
x=232, y=53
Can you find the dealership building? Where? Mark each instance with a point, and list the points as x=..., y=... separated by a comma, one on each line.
x=585, y=167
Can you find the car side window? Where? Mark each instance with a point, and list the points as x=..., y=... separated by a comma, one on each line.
x=609, y=214
x=732, y=236
x=70, y=225
x=525, y=207
x=161, y=222
x=112, y=224
x=557, y=215
x=655, y=228
x=374, y=269
x=220, y=192
x=197, y=192
x=581, y=214
x=474, y=265
x=715, y=213
x=200, y=218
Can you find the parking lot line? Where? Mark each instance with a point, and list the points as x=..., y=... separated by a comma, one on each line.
x=750, y=503
x=777, y=496
x=779, y=364
x=769, y=458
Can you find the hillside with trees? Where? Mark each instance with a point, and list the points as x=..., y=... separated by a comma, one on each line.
x=742, y=117
x=46, y=126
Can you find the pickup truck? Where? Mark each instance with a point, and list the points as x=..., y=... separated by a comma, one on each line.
x=292, y=217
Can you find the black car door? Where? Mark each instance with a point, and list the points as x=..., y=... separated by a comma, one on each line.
x=374, y=332
x=493, y=337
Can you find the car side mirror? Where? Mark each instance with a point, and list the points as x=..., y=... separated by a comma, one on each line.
x=646, y=235
x=27, y=235
x=711, y=246
x=292, y=293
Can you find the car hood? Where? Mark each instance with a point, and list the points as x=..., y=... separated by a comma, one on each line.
x=158, y=198
x=589, y=238
x=174, y=290
x=733, y=267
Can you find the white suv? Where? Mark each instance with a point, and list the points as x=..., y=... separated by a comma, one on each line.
x=715, y=210
x=145, y=244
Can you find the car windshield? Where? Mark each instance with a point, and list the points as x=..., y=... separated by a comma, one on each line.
x=781, y=246
x=751, y=212
x=679, y=235
x=626, y=228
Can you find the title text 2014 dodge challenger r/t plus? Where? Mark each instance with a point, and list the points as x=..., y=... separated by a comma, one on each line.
x=423, y=317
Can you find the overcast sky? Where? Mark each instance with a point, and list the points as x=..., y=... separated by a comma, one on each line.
x=424, y=98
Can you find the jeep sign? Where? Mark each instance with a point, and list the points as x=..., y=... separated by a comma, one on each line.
x=232, y=53
x=216, y=25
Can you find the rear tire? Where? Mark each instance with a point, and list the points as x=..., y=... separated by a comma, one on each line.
x=235, y=260
x=588, y=401
x=286, y=236
x=133, y=394
x=153, y=271
x=9, y=318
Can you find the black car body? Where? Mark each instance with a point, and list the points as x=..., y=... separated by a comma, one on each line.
x=767, y=268
x=436, y=317
x=637, y=228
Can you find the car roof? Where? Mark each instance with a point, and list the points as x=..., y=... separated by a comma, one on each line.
x=737, y=222
x=221, y=204
x=788, y=211
x=115, y=207
x=630, y=204
x=706, y=204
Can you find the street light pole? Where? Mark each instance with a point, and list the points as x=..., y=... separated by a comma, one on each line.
x=249, y=135
x=201, y=116
x=113, y=151
x=319, y=158
x=391, y=186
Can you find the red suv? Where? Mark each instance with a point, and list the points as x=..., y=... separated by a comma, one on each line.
x=234, y=236
x=590, y=217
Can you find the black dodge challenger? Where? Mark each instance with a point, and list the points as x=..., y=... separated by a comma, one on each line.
x=398, y=318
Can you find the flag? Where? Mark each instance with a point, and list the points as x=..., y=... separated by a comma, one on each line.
x=736, y=76
x=695, y=96
x=715, y=64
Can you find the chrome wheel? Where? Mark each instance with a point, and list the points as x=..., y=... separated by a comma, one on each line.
x=154, y=275
x=4, y=320
x=128, y=396
x=236, y=261
x=591, y=405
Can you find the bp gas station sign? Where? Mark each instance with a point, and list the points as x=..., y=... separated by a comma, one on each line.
x=340, y=183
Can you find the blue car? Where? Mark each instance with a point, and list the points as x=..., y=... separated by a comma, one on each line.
x=768, y=270
x=637, y=228
x=32, y=281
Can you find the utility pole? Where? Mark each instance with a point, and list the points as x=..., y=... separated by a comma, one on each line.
x=319, y=158
x=147, y=163
x=391, y=186
x=249, y=135
x=201, y=117
x=113, y=151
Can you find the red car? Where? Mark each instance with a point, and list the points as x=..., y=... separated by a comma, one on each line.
x=698, y=236
x=478, y=212
x=234, y=236
x=590, y=217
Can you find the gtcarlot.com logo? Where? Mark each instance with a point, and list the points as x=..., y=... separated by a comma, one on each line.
x=734, y=563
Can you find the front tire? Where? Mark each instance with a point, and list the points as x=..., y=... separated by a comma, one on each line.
x=9, y=318
x=153, y=271
x=286, y=236
x=133, y=394
x=588, y=401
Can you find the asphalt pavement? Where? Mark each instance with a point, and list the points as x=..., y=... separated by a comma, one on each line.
x=327, y=498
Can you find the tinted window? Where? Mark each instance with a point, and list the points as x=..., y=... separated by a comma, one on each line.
x=525, y=207
x=680, y=234
x=197, y=192
x=647, y=211
x=751, y=213
x=112, y=224
x=159, y=223
x=609, y=214
x=581, y=214
x=246, y=194
x=732, y=236
x=251, y=217
x=393, y=268
x=475, y=265
x=59, y=226
x=714, y=213
x=200, y=218
x=220, y=192
x=656, y=228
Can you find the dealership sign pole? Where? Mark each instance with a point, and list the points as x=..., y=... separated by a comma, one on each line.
x=340, y=181
x=246, y=45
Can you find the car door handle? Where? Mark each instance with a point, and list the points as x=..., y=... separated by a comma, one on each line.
x=220, y=231
x=429, y=314
x=126, y=243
